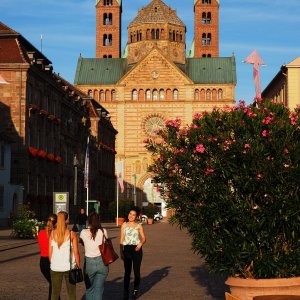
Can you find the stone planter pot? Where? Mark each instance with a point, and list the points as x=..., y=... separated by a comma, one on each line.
x=248, y=289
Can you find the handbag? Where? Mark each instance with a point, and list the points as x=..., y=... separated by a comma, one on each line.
x=75, y=275
x=107, y=250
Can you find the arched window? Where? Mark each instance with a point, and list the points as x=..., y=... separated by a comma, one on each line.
x=109, y=56
x=174, y=35
x=220, y=94
x=175, y=94
x=107, y=95
x=105, y=56
x=204, y=39
x=208, y=18
x=134, y=95
x=206, y=1
x=157, y=34
x=202, y=95
x=90, y=93
x=155, y=95
x=208, y=95
x=113, y=95
x=204, y=18
x=153, y=34
x=110, y=39
x=101, y=96
x=181, y=37
x=108, y=2
x=208, y=40
x=170, y=35
x=105, y=40
x=162, y=95
x=141, y=36
x=177, y=36
x=148, y=95
x=203, y=55
x=110, y=18
x=208, y=55
x=197, y=95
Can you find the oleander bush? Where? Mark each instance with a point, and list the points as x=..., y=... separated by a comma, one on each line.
x=232, y=178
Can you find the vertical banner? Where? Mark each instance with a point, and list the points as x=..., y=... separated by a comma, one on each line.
x=86, y=165
x=120, y=174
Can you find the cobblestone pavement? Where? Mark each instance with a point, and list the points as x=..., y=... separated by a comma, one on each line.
x=170, y=270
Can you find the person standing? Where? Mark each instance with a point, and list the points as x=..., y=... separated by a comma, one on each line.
x=43, y=241
x=81, y=220
x=132, y=239
x=94, y=268
x=63, y=248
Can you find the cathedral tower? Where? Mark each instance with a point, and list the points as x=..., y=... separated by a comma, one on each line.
x=206, y=28
x=108, y=28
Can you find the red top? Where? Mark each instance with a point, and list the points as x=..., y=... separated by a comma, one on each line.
x=43, y=241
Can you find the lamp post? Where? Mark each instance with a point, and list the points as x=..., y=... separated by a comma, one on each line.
x=75, y=164
x=134, y=190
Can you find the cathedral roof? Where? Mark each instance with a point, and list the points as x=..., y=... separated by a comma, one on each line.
x=119, y=1
x=104, y=71
x=157, y=12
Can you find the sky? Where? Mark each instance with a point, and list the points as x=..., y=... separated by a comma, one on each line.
x=68, y=28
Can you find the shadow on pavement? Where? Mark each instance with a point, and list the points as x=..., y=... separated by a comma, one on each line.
x=215, y=284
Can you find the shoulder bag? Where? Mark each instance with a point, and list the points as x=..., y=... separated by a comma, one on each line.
x=75, y=275
x=107, y=250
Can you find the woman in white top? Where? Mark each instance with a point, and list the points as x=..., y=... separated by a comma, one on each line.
x=60, y=256
x=95, y=270
x=131, y=242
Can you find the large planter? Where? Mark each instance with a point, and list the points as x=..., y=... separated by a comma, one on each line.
x=150, y=221
x=248, y=289
x=120, y=221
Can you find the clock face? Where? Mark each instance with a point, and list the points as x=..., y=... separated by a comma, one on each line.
x=153, y=124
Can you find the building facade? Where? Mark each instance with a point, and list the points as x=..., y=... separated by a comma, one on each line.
x=285, y=86
x=50, y=120
x=154, y=81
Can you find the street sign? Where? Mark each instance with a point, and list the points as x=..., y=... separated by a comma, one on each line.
x=60, y=202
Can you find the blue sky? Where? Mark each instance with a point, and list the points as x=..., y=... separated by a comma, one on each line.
x=68, y=28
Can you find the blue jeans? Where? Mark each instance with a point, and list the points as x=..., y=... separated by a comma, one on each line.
x=96, y=272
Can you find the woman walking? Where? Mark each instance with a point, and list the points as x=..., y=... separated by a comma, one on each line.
x=95, y=270
x=63, y=248
x=43, y=240
x=131, y=242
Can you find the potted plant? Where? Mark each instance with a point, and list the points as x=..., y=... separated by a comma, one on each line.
x=232, y=178
x=124, y=207
x=150, y=210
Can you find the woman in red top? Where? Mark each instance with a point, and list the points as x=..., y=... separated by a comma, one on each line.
x=43, y=240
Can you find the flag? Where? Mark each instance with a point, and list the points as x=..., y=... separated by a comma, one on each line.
x=86, y=165
x=119, y=174
x=256, y=61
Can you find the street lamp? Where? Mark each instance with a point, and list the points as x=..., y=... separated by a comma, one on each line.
x=75, y=164
x=134, y=190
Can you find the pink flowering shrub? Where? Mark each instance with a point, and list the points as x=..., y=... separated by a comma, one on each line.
x=233, y=180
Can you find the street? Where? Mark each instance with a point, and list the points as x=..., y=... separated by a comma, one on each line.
x=170, y=270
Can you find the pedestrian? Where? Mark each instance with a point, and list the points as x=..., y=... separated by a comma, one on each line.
x=63, y=249
x=81, y=220
x=43, y=241
x=94, y=268
x=131, y=242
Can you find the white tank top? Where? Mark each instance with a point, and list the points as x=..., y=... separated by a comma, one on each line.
x=131, y=235
x=60, y=260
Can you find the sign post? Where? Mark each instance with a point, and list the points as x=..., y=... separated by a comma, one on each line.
x=60, y=202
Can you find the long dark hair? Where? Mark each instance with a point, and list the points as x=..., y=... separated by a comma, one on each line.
x=94, y=224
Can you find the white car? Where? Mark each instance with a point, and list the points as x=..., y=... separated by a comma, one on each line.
x=157, y=217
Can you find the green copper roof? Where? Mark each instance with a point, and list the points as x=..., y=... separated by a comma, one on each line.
x=100, y=70
x=218, y=70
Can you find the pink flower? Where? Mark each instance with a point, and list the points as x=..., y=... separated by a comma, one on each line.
x=173, y=123
x=244, y=152
x=247, y=146
x=209, y=171
x=267, y=120
x=264, y=133
x=200, y=148
x=259, y=176
x=226, y=148
x=286, y=151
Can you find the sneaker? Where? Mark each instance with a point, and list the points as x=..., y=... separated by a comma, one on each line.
x=135, y=294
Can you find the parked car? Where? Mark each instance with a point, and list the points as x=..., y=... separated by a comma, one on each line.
x=157, y=217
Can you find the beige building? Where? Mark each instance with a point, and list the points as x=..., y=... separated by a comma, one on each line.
x=154, y=81
x=285, y=86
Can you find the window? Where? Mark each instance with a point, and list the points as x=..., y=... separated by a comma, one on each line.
x=1, y=197
x=175, y=94
x=208, y=95
x=153, y=34
x=220, y=94
x=155, y=95
x=107, y=40
x=203, y=55
x=208, y=41
x=204, y=39
x=162, y=95
x=135, y=95
x=206, y=2
x=148, y=95
x=197, y=95
x=2, y=149
x=203, y=18
x=102, y=95
x=108, y=2
x=113, y=95
x=208, y=18
x=157, y=34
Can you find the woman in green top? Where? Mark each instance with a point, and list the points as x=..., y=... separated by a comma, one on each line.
x=131, y=242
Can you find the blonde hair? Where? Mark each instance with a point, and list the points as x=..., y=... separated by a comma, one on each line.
x=51, y=222
x=61, y=226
